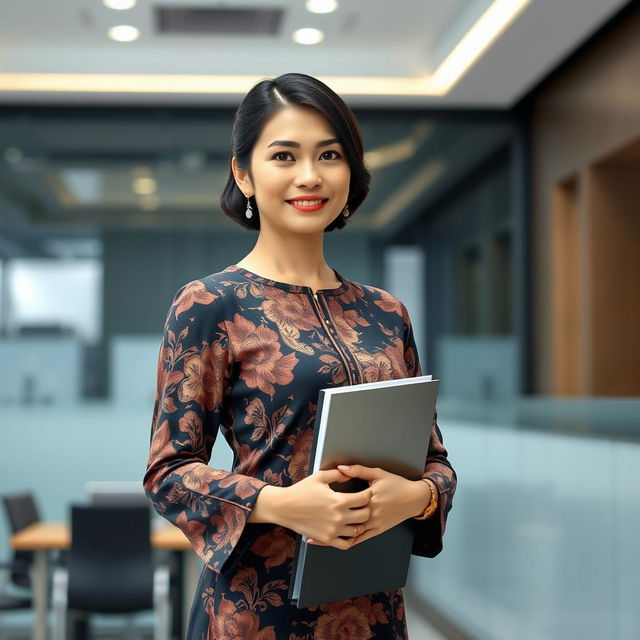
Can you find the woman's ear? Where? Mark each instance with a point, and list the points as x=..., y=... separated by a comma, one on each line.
x=242, y=178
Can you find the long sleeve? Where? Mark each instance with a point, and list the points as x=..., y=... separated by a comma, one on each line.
x=429, y=533
x=211, y=506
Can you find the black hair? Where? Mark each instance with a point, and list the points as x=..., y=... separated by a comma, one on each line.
x=262, y=102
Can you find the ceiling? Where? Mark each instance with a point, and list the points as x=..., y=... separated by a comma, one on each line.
x=402, y=45
x=68, y=158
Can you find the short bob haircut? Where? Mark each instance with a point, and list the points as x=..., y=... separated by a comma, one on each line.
x=262, y=102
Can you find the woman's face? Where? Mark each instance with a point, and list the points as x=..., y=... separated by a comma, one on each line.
x=297, y=155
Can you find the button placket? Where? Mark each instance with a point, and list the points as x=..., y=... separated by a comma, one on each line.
x=330, y=329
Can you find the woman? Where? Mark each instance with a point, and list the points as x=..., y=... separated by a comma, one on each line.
x=246, y=350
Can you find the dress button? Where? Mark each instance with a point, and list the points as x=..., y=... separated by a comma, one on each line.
x=327, y=321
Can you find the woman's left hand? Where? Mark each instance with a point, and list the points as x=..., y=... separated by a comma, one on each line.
x=393, y=499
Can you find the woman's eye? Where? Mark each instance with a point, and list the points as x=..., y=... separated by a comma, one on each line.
x=280, y=153
x=332, y=151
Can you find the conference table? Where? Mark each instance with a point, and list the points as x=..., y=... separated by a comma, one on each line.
x=43, y=537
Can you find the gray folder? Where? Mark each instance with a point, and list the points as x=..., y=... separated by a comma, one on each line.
x=378, y=424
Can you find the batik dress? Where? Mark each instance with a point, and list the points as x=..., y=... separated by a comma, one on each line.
x=246, y=356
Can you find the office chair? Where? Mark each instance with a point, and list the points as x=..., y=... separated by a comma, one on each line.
x=110, y=568
x=21, y=511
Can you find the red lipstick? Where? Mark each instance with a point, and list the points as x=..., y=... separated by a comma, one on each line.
x=318, y=203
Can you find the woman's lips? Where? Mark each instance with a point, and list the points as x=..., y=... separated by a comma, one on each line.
x=296, y=204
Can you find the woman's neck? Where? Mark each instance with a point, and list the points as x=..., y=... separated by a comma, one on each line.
x=295, y=262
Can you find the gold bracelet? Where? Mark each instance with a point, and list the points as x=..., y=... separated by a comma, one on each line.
x=433, y=502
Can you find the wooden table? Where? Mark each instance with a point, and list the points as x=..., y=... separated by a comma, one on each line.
x=43, y=537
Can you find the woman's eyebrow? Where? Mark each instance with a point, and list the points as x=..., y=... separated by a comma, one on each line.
x=291, y=143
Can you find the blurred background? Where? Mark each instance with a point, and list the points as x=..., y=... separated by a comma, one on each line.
x=504, y=143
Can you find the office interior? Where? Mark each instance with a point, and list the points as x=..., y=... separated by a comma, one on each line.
x=503, y=212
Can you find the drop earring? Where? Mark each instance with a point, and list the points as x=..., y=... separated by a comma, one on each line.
x=249, y=211
x=345, y=211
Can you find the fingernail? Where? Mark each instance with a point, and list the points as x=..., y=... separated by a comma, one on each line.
x=343, y=466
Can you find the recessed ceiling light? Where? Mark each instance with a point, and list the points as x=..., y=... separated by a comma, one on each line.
x=144, y=186
x=308, y=36
x=119, y=4
x=124, y=33
x=321, y=6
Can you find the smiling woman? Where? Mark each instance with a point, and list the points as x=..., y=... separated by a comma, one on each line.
x=327, y=133
x=246, y=351
x=311, y=178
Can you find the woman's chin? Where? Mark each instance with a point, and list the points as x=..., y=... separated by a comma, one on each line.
x=309, y=224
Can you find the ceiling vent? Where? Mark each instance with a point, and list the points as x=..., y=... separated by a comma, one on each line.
x=218, y=21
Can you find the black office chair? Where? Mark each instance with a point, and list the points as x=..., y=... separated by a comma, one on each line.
x=110, y=568
x=20, y=511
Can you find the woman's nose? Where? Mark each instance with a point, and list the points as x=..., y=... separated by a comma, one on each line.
x=309, y=175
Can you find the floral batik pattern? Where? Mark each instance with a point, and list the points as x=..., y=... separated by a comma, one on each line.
x=246, y=357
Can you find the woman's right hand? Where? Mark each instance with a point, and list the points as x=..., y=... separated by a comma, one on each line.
x=312, y=508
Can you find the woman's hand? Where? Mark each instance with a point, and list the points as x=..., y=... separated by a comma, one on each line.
x=393, y=499
x=312, y=508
